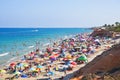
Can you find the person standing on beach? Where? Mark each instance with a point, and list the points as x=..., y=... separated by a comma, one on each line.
x=65, y=70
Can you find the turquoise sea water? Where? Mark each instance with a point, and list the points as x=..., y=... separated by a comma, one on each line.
x=15, y=41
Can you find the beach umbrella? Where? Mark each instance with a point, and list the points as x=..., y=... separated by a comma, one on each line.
x=39, y=66
x=31, y=55
x=73, y=63
x=20, y=65
x=24, y=76
x=50, y=73
x=64, y=59
x=32, y=69
x=55, y=50
x=17, y=72
x=37, y=59
x=69, y=56
x=52, y=58
x=72, y=66
x=82, y=58
x=36, y=56
x=77, y=47
x=25, y=65
x=13, y=63
x=65, y=66
x=84, y=50
x=56, y=55
x=2, y=71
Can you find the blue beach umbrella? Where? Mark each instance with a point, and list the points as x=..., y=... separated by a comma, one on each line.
x=24, y=76
x=32, y=69
x=50, y=73
x=20, y=65
x=39, y=66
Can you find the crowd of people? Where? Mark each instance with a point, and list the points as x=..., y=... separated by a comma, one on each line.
x=62, y=56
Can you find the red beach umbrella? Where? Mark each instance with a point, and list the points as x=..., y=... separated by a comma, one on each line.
x=84, y=50
x=56, y=55
x=31, y=55
x=73, y=63
x=12, y=64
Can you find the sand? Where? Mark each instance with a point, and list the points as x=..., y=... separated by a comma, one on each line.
x=69, y=73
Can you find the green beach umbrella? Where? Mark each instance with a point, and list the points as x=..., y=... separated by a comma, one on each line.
x=82, y=58
x=25, y=65
x=17, y=72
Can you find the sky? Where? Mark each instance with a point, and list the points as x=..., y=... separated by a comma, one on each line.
x=58, y=13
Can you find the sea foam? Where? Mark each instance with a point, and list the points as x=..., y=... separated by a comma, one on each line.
x=4, y=54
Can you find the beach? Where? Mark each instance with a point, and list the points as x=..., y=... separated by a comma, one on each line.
x=16, y=42
x=59, y=60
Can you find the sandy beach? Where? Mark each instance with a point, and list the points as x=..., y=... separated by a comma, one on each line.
x=55, y=58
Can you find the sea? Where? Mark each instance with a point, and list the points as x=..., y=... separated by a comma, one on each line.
x=15, y=42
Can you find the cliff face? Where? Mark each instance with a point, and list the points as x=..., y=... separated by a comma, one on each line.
x=101, y=33
x=107, y=63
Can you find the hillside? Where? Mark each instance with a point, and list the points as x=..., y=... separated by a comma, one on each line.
x=104, y=67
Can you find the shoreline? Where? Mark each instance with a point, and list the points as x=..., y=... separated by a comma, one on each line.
x=63, y=73
x=14, y=58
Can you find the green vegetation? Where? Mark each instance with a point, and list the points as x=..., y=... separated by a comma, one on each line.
x=114, y=27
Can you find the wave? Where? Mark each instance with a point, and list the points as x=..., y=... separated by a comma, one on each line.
x=11, y=59
x=65, y=37
x=4, y=54
x=22, y=31
x=46, y=44
x=31, y=47
x=35, y=30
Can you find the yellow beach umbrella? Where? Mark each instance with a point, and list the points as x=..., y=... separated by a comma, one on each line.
x=69, y=56
x=2, y=71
